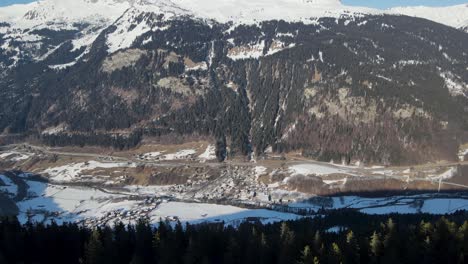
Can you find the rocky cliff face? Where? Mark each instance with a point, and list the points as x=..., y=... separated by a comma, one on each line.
x=384, y=89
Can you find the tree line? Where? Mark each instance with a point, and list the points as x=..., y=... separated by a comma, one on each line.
x=343, y=237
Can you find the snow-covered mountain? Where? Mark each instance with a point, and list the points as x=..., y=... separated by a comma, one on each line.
x=46, y=12
x=242, y=11
x=86, y=19
x=454, y=16
x=283, y=75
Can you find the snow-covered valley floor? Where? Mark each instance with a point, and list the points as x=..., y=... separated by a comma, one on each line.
x=90, y=206
x=185, y=183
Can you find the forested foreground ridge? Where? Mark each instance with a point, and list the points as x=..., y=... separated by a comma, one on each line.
x=363, y=239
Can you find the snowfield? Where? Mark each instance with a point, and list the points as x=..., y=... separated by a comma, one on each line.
x=75, y=171
x=90, y=206
x=209, y=154
x=66, y=12
x=181, y=154
x=14, y=156
x=94, y=207
x=200, y=213
x=454, y=16
x=316, y=169
x=424, y=203
x=9, y=188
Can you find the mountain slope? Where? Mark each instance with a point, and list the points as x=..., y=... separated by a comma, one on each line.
x=385, y=89
x=348, y=86
x=454, y=16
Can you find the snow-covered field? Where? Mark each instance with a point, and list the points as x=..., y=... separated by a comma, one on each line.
x=75, y=171
x=46, y=202
x=316, y=169
x=9, y=188
x=14, y=156
x=90, y=206
x=231, y=215
x=181, y=154
x=424, y=203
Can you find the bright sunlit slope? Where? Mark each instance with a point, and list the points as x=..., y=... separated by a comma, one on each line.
x=454, y=16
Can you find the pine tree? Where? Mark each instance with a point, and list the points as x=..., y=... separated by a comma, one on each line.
x=316, y=260
x=318, y=244
x=391, y=243
x=335, y=255
x=376, y=247
x=352, y=249
x=143, y=244
x=306, y=256
x=94, y=250
x=287, y=239
x=463, y=241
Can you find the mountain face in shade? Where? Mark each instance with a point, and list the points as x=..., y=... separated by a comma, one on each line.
x=331, y=81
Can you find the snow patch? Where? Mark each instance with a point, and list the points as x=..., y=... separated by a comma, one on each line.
x=10, y=188
x=74, y=171
x=182, y=154
x=315, y=169
x=454, y=86
x=209, y=154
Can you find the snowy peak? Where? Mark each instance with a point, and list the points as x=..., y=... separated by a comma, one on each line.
x=454, y=16
x=63, y=11
x=242, y=11
x=247, y=11
x=238, y=11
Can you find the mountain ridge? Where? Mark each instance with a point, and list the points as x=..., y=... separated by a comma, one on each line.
x=226, y=10
x=371, y=88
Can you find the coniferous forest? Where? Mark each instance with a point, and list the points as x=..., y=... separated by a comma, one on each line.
x=353, y=238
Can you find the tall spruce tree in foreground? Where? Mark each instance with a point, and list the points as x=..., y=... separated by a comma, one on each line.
x=94, y=250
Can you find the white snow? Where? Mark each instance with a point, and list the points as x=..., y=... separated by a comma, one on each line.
x=251, y=12
x=54, y=130
x=443, y=206
x=62, y=66
x=462, y=153
x=72, y=204
x=10, y=188
x=151, y=155
x=410, y=62
x=15, y=156
x=333, y=182
x=253, y=51
x=424, y=203
x=230, y=215
x=336, y=229
x=64, y=13
x=74, y=171
x=454, y=86
x=279, y=46
x=363, y=23
x=181, y=154
x=454, y=16
x=384, y=78
x=316, y=169
x=48, y=13
x=260, y=170
x=446, y=175
x=126, y=31
x=209, y=154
